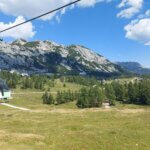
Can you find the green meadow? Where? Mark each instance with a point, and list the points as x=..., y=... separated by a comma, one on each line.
x=65, y=127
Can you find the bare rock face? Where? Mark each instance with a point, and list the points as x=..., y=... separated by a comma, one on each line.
x=49, y=57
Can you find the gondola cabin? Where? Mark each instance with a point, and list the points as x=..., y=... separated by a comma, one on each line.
x=5, y=92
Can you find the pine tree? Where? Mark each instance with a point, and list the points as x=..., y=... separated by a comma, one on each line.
x=51, y=99
x=120, y=91
x=92, y=97
x=110, y=94
x=131, y=93
x=100, y=97
x=82, y=101
x=45, y=98
x=145, y=92
x=59, y=98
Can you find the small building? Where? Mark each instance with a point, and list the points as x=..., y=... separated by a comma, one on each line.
x=24, y=74
x=5, y=92
x=106, y=104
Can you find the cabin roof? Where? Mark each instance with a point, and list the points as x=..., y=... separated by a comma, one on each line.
x=3, y=85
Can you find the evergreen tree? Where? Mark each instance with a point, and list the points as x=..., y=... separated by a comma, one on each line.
x=59, y=98
x=110, y=94
x=51, y=99
x=120, y=91
x=45, y=98
x=82, y=101
x=131, y=93
x=64, y=85
x=92, y=97
x=145, y=92
x=48, y=98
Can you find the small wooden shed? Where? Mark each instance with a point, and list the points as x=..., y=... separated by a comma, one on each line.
x=5, y=92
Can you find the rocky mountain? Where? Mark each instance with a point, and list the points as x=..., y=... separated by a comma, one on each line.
x=49, y=57
x=134, y=67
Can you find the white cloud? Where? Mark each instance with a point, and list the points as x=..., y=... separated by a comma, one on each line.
x=139, y=30
x=148, y=43
x=145, y=15
x=24, y=31
x=89, y=3
x=32, y=8
x=131, y=7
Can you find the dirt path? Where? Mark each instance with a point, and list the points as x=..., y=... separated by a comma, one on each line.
x=15, y=107
x=76, y=111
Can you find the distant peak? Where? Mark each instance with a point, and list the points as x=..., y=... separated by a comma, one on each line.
x=130, y=63
x=78, y=46
x=19, y=41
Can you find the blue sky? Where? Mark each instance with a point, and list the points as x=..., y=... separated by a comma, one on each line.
x=96, y=27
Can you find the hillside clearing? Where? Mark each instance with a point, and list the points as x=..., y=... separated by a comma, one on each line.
x=67, y=127
x=61, y=127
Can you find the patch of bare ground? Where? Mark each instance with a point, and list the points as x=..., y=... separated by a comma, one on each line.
x=5, y=146
x=2, y=132
x=77, y=111
x=71, y=111
x=19, y=137
x=133, y=111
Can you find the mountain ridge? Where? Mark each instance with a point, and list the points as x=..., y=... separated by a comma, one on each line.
x=134, y=67
x=50, y=57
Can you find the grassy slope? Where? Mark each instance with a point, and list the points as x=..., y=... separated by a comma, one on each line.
x=58, y=87
x=125, y=127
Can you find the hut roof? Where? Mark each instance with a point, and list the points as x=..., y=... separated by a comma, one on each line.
x=3, y=85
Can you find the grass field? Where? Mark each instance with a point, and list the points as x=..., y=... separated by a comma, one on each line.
x=58, y=87
x=65, y=127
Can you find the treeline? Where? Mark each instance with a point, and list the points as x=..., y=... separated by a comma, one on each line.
x=61, y=97
x=87, y=81
x=39, y=82
x=94, y=93
x=95, y=96
x=15, y=80
x=92, y=97
x=129, y=93
x=12, y=80
x=133, y=93
x=85, y=98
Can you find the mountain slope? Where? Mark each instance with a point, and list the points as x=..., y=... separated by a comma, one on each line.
x=49, y=57
x=134, y=67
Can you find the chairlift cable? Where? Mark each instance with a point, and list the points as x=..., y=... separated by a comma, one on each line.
x=30, y=20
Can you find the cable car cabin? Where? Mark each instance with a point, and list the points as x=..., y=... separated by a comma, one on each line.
x=5, y=92
x=1, y=40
